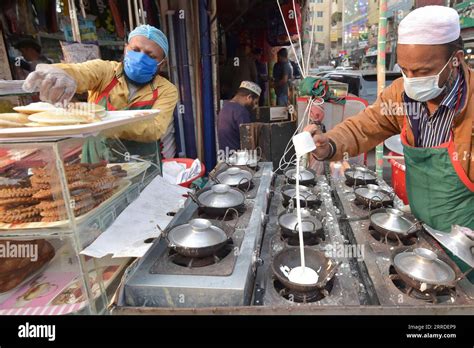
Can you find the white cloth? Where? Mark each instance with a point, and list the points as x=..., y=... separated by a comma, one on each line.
x=137, y=223
x=429, y=25
x=176, y=173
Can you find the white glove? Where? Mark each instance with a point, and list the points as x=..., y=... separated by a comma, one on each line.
x=54, y=84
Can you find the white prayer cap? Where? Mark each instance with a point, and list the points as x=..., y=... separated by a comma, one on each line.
x=251, y=86
x=429, y=25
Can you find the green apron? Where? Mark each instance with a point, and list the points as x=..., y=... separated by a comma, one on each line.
x=440, y=192
x=97, y=149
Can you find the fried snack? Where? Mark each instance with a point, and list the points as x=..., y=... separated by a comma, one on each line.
x=17, y=192
x=40, y=186
x=22, y=209
x=58, y=217
x=101, y=198
x=78, y=207
x=20, y=218
x=20, y=214
x=48, y=205
x=10, y=202
x=106, y=183
x=100, y=172
x=69, y=169
x=49, y=193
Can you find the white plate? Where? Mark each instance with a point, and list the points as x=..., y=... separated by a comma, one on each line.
x=111, y=120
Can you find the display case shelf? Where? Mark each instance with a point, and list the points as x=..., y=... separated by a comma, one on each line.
x=42, y=182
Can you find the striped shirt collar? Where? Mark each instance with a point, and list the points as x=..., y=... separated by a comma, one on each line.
x=451, y=99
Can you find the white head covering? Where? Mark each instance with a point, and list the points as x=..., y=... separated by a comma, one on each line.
x=251, y=86
x=429, y=25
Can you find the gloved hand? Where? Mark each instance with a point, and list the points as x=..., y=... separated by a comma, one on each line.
x=54, y=84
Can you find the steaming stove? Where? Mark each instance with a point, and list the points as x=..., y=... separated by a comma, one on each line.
x=344, y=288
x=166, y=279
x=382, y=281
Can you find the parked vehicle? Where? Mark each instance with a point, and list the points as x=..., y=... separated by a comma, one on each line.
x=361, y=83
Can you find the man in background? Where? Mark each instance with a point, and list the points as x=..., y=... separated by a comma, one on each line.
x=262, y=74
x=31, y=56
x=235, y=112
x=244, y=68
x=282, y=74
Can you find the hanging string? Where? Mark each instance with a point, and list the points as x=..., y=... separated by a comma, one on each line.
x=311, y=42
x=291, y=42
x=304, y=72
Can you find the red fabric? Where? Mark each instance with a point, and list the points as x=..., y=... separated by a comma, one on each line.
x=110, y=107
x=289, y=14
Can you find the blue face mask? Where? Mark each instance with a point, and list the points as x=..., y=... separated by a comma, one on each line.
x=139, y=67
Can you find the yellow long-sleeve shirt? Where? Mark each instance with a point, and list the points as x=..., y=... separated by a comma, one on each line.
x=95, y=75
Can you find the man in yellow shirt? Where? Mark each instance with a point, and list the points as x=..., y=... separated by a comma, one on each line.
x=129, y=85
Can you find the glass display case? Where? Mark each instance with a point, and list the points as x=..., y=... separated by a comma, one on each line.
x=53, y=206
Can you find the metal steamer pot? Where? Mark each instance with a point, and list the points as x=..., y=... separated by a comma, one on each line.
x=359, y=175
x=373, y=196
x=421, y=269
x=306, y=176
x=289, y=258
x=288, y=222
x=199, y=237
x=393, y=223
x=308, y=198
x=234, y=177
x=457, y=241
x=218, y=199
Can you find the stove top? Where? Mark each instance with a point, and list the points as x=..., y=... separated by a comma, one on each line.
x=344, y=288
x=380, y=275
x=166, y=279
x=239, y=278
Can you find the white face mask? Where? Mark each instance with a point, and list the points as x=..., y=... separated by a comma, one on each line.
x=423, y=88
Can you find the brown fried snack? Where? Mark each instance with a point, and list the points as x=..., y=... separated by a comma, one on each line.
x=40, y=186
x=80, y=196
x=48, y=193
x=58, y=217
x=100, y=172
x=101, y=198
x=17, y=192
x=69, y=169
x=78, y=206
x=20, y=219
x=20, y=214
x=102, y=184
x=14, y=202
